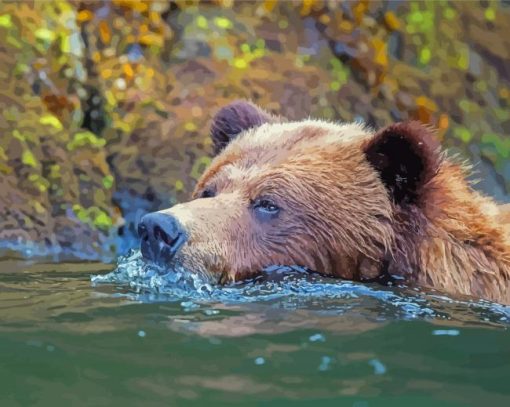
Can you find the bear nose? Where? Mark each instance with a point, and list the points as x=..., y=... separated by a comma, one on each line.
x=161, y=237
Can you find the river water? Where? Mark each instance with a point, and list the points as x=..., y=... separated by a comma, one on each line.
x=79, y=334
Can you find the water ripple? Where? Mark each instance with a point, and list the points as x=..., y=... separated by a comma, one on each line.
x=293, y=288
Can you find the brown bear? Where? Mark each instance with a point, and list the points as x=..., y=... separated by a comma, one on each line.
x=338, y=199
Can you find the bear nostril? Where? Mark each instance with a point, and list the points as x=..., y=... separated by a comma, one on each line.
x=160, y=234
x=142, y=232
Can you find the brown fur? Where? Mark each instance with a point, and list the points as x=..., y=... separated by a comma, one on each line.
x=343, y=213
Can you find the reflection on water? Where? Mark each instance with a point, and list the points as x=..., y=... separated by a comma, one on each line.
x=143, y=336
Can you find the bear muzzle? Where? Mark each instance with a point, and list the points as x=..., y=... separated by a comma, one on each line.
x=161, y=237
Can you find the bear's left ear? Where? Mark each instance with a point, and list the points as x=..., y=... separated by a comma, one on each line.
x=407, y=156
x=235, y=118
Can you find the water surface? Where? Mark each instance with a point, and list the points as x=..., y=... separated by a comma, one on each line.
x=142, y=337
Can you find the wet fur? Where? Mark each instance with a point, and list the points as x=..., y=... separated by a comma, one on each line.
x=356, y=204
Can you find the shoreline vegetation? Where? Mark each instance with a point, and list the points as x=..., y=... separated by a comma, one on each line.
x=105, y=108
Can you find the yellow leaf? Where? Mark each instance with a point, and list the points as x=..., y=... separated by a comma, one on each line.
x=325, y=19
x=307, y=6
x=190, y=126
x=490, y=14
x=151, y=39
x=346, y=26
x=45, y=34
x=427, y=103
x=240, y=63
x=29, y=159
x=5, y=21
x=51, y=120
x=223, y=22
x=104, y=32
x=65, y=44
x=179, y=185
x=391, y=21
x=443, y=122
x=381, y=56
x=84, y=15
x=269, y=5
x=128, y=71
x=202, y=22
x=140, y=6
x=359, y=10
x=38, y=207
x=106, y=73
x=154, y=17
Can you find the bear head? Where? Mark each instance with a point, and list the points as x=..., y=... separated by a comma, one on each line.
x=328, y=197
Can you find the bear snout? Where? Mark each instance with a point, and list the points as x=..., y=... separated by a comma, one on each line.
x=161, y=237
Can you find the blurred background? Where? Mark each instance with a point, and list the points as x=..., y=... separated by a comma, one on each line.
x=105, y=106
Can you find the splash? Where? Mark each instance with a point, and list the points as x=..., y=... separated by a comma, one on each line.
x=143, y=277
x=294, y=287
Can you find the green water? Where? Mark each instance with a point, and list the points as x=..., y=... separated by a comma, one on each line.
x=65, y=342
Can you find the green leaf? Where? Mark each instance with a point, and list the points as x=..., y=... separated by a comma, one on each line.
x=103, y=221
x=85, y=138
x=202, y=22
x=5, y=21
x=51, y=120
x=29, y=159
x=223, y=22
x=108, y=181
x=45, y=34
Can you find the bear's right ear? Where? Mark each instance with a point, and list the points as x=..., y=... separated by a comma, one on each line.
x=235, y=118
x=407, y=157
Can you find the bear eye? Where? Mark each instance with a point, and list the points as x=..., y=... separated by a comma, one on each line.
x=207, y=193
x=265, y=208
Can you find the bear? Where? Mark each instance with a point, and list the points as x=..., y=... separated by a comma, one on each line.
x=339, y=199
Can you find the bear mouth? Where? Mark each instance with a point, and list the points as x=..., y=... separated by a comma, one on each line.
x=161, y=252
x=161, y=237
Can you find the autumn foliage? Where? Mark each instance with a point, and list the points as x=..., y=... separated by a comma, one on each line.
x=105, y=106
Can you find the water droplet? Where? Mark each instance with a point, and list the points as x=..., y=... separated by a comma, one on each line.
x=325, y=363
x=446, y=332
x=317, y=338
x=210, y=312
x=189, y=305
x=378, y=366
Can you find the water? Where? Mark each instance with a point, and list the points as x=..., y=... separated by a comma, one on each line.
x=141, y=336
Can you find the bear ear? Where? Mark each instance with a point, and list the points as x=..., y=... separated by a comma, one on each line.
x=235, y=118
x=407, y=156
